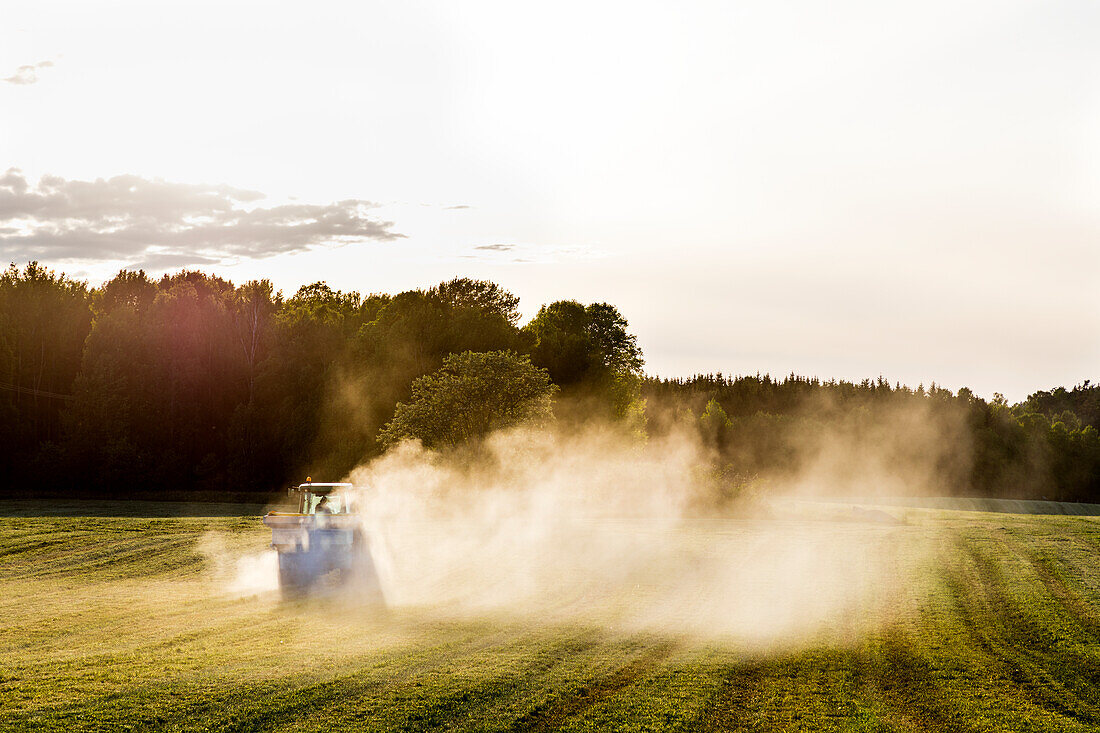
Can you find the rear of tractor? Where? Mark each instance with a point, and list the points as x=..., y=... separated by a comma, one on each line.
x=322, y=545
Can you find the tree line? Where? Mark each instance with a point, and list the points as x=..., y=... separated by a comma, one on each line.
x=874, y=437
x=189, y=386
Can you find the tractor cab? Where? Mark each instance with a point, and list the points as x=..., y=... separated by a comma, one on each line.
x=319, y=498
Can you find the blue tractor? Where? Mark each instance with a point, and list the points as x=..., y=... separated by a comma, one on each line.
x=323, y=546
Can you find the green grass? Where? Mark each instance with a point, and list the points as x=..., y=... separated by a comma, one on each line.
x=119, y=623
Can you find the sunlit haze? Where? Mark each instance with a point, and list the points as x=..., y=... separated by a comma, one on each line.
x=843, y=190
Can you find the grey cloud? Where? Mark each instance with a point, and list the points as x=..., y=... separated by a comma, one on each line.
x=460, y=206
x=129, y=217
x=27, y=74
x=496, y=247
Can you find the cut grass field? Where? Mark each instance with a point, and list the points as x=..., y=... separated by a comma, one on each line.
x=123, y=623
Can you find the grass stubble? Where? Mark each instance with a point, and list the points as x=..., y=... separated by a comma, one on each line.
x=124, y=623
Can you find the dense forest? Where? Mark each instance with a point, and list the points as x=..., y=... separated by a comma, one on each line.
x=192, y=387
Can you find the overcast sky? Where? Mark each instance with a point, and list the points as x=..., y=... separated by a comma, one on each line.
x=842, y=189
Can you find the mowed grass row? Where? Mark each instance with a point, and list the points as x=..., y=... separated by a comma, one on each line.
x=125, y=623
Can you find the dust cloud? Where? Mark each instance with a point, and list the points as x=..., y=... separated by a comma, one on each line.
x=594, y=527
x=912, y=449
x=236, y=573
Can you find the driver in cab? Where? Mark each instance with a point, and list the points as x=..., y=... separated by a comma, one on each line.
x=322, y=507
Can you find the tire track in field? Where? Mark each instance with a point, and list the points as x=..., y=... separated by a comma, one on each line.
x=552, y=714
x=22, y=545
x=1090, y=538
x=106, y=551
x=890, y=683
x=35, y=544
x=132, y=557
x=1068, y=604
x=1054, y=580
x=999, y=631
x=465, y=707
x=906, y=682
x=983, y=619
x=401, y=690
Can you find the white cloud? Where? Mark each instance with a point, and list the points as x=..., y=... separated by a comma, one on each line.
x=159, y=222
x=27, y=74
